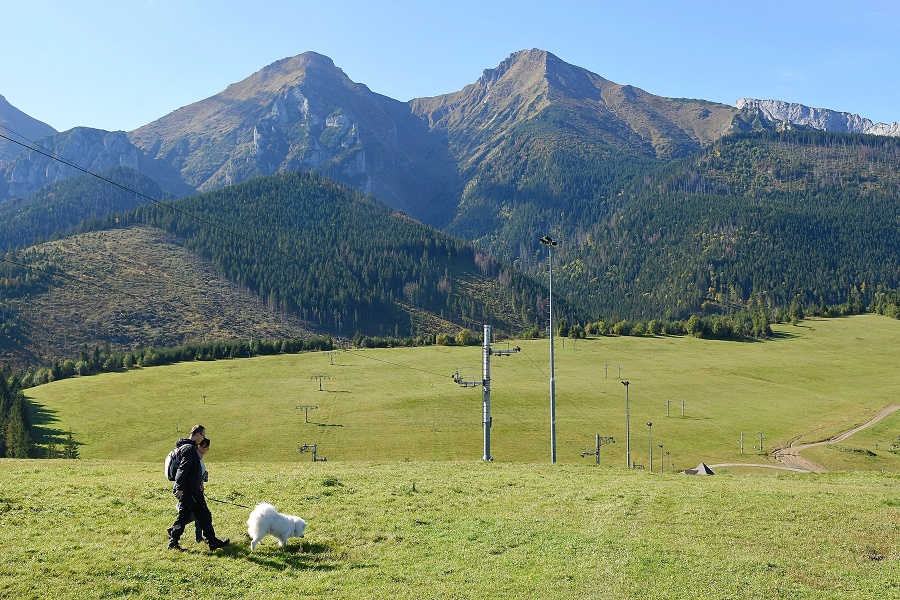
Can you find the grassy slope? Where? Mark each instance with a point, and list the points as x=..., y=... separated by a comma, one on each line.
x=810, y=383
x=91, y=529
x=382, y=527
x=138, y=287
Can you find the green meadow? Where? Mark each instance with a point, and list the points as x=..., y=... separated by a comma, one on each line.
x=810, y=383
x=96, y=529
x=404, y=507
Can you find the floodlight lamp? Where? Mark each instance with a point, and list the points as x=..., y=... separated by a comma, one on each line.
x=649, y=424
x=547, y=241
x=625, y=383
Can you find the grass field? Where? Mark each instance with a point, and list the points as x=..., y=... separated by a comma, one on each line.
x=808, y=384
x=405, y=508
x=96, y=529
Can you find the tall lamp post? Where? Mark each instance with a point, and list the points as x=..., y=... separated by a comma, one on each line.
x=650, y=425
x=550, y=244
x=627, y=430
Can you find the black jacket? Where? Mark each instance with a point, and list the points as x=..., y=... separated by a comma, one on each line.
x=189, y=477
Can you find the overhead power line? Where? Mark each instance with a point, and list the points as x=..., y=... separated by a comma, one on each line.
x=34, y=147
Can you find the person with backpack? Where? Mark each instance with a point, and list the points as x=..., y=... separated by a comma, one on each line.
x=188, y=490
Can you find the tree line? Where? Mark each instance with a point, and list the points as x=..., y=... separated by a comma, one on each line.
x=15, y=426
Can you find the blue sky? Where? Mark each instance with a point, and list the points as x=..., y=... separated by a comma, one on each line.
x=120, y=64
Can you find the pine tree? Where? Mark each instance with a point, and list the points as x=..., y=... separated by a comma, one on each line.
x=18, y=441
x=70, y=447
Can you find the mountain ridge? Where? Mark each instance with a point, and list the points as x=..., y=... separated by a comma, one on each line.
x=303, y=112
x=824, y=119
x=14, y=120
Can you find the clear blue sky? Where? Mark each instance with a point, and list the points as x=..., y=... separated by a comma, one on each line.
x=120, y=64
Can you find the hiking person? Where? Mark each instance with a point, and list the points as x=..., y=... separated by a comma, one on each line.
x=188, y=490
x=202, y=449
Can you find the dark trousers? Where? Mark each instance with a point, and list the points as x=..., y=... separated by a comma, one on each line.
x=193, y=507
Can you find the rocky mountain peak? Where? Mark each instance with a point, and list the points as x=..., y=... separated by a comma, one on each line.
x=14, y=119
x=539, y=71
x=816, y=118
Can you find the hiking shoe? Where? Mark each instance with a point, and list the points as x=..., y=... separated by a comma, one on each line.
x=216, y=543
x=173, y=545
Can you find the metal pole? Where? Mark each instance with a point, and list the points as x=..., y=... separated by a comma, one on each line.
x=650, y=425
x=598, y=449
x=486, y=392
x=627, y=430
x=550, y=243
x=760, y=441
x=552, y=373
x=662, y=463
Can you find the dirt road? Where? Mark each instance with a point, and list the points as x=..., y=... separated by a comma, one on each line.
x=791, y=458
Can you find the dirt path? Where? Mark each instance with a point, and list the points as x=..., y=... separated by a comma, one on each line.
x=791, y=458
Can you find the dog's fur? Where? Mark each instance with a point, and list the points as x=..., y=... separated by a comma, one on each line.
x=266, y=520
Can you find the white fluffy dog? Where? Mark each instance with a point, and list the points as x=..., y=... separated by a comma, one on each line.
x=266, y=520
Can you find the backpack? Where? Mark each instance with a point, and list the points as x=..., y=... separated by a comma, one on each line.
x=173, y=459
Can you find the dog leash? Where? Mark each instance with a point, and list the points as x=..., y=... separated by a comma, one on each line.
x=226, y=502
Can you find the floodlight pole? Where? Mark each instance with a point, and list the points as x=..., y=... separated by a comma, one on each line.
x=760, y=441
x=650, y=425
x=627, y=430
x=550, y=244
x=662, y=463
x=486, y=392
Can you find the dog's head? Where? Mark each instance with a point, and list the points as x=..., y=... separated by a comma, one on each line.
x=299, y=527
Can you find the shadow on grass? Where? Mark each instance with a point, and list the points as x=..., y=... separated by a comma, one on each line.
x=42, y=432
x=784, y=335
x=308, y=556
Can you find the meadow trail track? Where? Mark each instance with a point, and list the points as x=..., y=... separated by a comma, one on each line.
x=791, y=460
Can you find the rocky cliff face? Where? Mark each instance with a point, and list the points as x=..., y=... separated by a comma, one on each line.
x=91, y=149
x=17, y=121
x=815, y=118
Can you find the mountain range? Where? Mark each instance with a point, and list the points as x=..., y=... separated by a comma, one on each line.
x=419, y=156
x=663, y=206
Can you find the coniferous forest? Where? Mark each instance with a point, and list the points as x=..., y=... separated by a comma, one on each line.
x=804, y=218
x=755, y=227
x=343, y=261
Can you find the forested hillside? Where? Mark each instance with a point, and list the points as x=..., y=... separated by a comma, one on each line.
x=798, y=217
x=342, y=262
x=67, y=207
